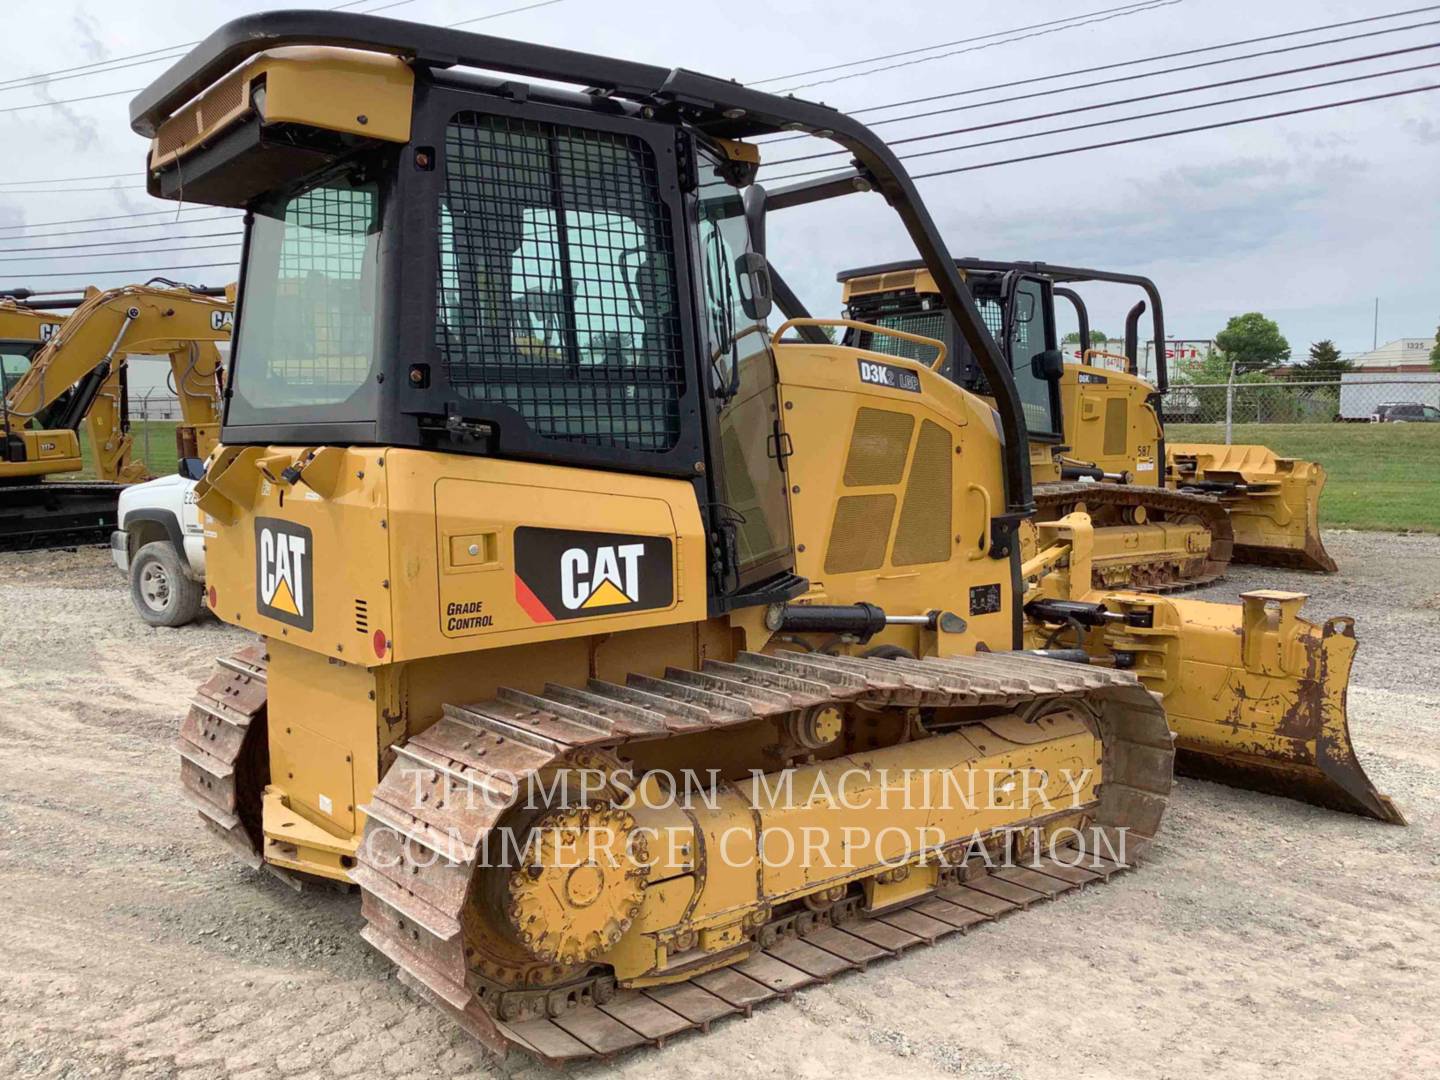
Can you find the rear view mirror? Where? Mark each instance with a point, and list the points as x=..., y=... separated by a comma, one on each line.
x=1048, y=365
x=756, y=297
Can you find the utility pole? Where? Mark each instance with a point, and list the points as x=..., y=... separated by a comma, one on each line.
x=1375, y=334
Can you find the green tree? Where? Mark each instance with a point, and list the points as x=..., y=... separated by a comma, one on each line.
x=1435, y=352
x=1097, y=337
x=1252, y=343
x=1210, y=376
x=1324, y=365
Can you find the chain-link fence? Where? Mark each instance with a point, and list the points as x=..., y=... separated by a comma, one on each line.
x=153, y=414
x=1377, y=435
x=1390, y=398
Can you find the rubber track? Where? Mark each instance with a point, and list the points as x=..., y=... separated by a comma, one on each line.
x=1054, y=500
x=414, y=906
x=57, y=514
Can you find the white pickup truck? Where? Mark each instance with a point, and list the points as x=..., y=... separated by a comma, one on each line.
x=160, y=544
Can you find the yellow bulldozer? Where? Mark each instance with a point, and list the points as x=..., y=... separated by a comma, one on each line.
x=76, y=380
x=639, y=663
x=1167, y=516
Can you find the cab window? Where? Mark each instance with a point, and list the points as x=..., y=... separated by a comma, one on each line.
x=1030, y=335
x=743, y=382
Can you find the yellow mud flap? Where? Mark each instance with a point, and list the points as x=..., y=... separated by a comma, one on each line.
x=1254, y=694
x=1273, y=501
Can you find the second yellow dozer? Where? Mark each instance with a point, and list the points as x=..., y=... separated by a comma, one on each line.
x=1167, y=516
x=639, y=664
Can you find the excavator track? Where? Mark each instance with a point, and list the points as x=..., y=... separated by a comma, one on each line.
x=420, y=861
x=57, y=514
x=1106, y=503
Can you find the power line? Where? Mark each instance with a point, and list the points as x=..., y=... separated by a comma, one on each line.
x=1131, y=63
x=111, y=217
x=945, y=44
x=72, y=191
x=30, y=80
x=1154, y=74
x=498, y=14
x=1154, y=6
x=123, y=243
x=124, y=228
x=176, y=52
x=76, y=179
x=124, y=93
x=132, y=271
x=1133, y=117
x=114, y=254
x=67, y=101
x=1143, y=97
x=118, y=63
x=1176, y=131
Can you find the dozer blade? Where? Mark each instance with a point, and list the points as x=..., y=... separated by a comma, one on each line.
x=1274, y=502
x=1254, y=694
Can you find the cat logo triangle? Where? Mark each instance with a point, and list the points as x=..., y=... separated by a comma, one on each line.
x=607, y=595
x=284, y=599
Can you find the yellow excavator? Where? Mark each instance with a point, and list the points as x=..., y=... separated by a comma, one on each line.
x=1167, y=516
x=640, y=664
x=23, y=332
x=77, y=380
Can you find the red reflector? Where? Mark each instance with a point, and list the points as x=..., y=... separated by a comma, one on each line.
x=211, y=597
x=380, y=644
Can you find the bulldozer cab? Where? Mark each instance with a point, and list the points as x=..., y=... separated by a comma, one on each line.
x=1017, y=308
x=1098, y=414
x=485, y=267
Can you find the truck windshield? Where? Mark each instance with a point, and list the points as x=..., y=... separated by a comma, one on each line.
x=305, y=346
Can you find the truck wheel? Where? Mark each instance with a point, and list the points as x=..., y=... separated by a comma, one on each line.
x=159, y=588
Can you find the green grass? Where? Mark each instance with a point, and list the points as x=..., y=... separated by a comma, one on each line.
x=154, y=444
x=1378, y=476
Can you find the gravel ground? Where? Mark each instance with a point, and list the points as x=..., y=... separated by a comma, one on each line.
x=1262, y=938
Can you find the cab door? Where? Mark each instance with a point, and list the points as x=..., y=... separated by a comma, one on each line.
x=754, y=510
x=1027, y=332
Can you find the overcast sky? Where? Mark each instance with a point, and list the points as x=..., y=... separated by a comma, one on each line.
x=1307, y=218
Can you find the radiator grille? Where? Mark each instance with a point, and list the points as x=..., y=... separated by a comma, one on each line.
x=558, y=295
x=362, y=616
x=859, y=533
x=924, y=532
x=878, y=447
x=1116, y=426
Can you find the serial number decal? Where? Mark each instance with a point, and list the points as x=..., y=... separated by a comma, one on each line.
x=984, y=599
x=888, y=375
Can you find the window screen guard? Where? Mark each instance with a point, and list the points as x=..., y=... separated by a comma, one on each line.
x=558, y=294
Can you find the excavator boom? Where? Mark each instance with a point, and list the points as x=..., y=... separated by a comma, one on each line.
x=76, y=380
